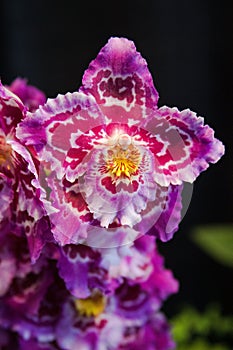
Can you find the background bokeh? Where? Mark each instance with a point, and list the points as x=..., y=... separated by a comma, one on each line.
x=188, y=47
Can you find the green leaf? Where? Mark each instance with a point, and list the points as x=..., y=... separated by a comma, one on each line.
x=208, y=330
x=217, y=241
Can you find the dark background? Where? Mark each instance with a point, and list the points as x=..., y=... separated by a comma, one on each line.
x=188, y=46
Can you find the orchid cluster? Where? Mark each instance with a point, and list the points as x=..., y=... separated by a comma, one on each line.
x=89, y=181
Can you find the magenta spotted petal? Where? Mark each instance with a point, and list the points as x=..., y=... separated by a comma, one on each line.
x=181, y=144
x=103, y=176
x=85, y=269
x=112, y=162
x=137, y=297
x=11, y=111
x=126, y=317
x=25, y=286
x=161, y=282
x=21, y=207
x=75, y=331
x=121, y=83
x=188, y=145
x=80, y=268
x=111, y=331
x=54, y=128
x=132, y=261
x=162, y=216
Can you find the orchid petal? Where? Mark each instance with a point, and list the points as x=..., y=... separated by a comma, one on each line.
x=189, y=145
x=79, y=266
x=120, y=82
x=52, y=129
x=11, y=110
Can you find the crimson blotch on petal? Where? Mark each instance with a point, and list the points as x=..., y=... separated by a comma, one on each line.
x=111, y=160
x=21, y=207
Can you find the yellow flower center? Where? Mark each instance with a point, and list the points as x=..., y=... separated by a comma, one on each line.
x=5, y=154
x=123, y=159
x=91, y=306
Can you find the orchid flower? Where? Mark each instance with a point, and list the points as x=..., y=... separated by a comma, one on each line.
x=44, y=311
x=112, y=162
x=88, y=181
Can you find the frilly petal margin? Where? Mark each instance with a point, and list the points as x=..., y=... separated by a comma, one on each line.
x=162, y=216
x=189, y=145
x=132, y=261
x=170, y=218
x=120, y=82
x=51, y=130
x=84, y=269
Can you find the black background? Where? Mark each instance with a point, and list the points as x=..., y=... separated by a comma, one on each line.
x=188, y=47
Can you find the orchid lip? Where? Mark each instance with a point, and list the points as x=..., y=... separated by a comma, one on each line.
x=122, y=161
x=116, y=180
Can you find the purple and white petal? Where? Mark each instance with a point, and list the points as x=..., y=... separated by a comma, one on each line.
x=130, y=261
x=120, y=201
x=79, y=266
x=162, y=216
x=120, y=82
x=54, y=127
x=188, y=145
